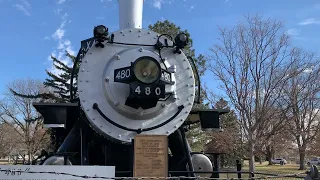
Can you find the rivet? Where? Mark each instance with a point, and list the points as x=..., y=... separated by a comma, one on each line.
x=175, y=126
x=88, y=109
x=87, y=70
x=119, y=135
x=191, y=86
x=118, y=57
x=186, y=112
x=80, y=80
x=188, y=67
x=81, y=90
x=141, y=49
x=190, y=76
x=121, y=32
x=149, y=32
x=191, y=95
x=139, y=30
x=155, y=38
x=83, y=100
x=187, y=85
x=100, y=126
x=130, y=30
x=116, y=103
x=190, y=103
x=82, y=70
x=163, y=105
x=93, y=118
x=139, y=35
x=178, y=98
x=168, y=132
x=90, y=53
x=184, y=60
x=87, y=80
x=107, y=79
x=181, y=119
x=108, y=132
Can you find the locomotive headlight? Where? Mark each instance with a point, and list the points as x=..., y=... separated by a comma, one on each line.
x=147, y=70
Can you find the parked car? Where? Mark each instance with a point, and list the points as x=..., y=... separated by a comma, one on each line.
x=280, y=161
x=314, y=161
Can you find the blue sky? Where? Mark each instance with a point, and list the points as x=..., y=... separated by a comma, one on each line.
x=31, y=30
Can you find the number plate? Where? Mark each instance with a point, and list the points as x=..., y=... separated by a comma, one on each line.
x=142, y=90
x=122, y=74
x=165, y=76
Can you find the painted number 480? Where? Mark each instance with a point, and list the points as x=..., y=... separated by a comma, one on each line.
x=125, y=73
x=147, y=90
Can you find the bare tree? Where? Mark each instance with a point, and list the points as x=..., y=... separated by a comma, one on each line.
x=252, y=64
x=301, y=96
x=19, y=113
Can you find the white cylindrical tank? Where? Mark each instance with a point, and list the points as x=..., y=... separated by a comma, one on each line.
x=130, y=14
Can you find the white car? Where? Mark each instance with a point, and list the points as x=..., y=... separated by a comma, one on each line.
x=314, y=161
x=280, y=161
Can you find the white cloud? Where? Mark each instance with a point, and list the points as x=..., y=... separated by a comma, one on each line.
x=26, y=3
x=24, y=7
x=63, y=45
x=191, y=8
x=157, y=4
x=61, y=1
x=293, y=32
x=309, y=21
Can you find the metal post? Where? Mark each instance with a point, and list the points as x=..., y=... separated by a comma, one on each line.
x=239, y=169
x=132, y=157
x=215, y=166
x=252, y=175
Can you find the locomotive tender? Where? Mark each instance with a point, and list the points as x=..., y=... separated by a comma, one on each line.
x=131, y=81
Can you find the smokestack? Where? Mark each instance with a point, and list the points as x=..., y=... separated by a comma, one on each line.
x=130, y=14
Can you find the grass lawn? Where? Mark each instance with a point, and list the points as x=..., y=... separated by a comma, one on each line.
x=266, y=169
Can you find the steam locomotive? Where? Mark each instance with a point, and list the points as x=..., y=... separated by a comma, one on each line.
x=131, y=81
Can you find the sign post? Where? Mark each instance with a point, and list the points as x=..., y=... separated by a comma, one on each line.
x=150, y=156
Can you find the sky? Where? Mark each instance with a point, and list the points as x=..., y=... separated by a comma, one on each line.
x=32, y=30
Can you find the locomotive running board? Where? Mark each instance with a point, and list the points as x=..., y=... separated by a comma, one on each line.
x=56, y=114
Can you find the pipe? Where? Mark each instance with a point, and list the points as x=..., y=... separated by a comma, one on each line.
x=130, y=14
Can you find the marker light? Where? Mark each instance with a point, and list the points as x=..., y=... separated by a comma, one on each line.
x=181, y=40
x=147, y=70
x=100, y=31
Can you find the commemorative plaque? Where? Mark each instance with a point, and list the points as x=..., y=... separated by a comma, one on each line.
x=150, y=156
